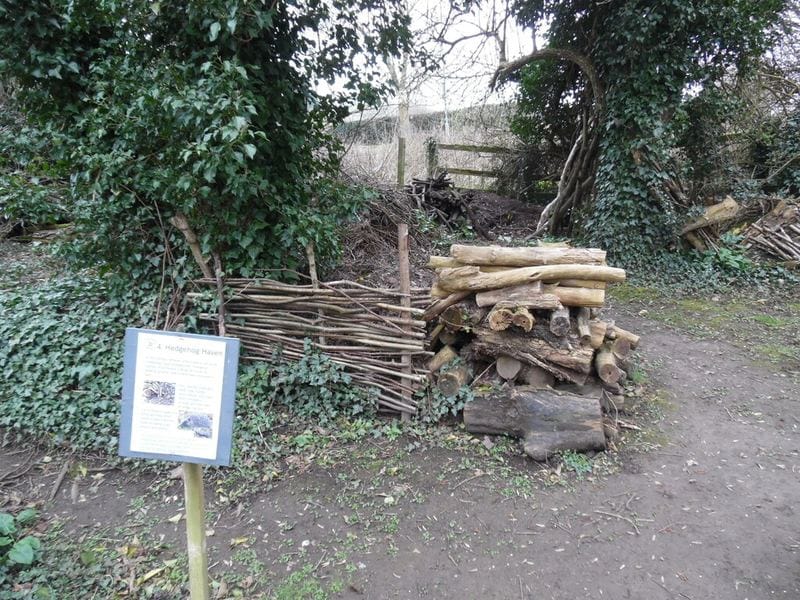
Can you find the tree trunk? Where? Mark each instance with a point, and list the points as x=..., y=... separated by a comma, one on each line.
x=548, y=421
x=526, y=257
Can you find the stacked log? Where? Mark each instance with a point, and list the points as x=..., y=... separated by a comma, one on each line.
x=533, y=314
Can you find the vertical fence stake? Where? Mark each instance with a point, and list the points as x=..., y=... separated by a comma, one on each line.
x=401, y=161
x=405, y=301
x=195, y=531
x=432, y=157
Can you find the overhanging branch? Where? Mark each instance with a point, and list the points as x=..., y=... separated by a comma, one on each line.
x=585, y=65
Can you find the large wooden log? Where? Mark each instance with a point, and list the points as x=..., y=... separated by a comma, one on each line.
x=580, y=283
x=471, y=278
x=441, y=262
x=526, y=257
x=548, y=421
x=561, y=358
x=598, y=330
x=529, y=295
x=718, y=213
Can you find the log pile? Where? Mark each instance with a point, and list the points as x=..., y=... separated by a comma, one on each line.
x=777, y=233
x=532, y=314
x=369, y=331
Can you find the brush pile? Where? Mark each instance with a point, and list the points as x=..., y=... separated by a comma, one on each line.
x=777, y=233
x=532, y=315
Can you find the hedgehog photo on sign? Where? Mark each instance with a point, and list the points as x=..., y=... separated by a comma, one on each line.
x=159, y=392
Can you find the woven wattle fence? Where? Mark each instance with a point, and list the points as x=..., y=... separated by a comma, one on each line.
x=366, y=330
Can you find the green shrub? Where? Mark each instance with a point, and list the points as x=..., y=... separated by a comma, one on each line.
x=61, y=361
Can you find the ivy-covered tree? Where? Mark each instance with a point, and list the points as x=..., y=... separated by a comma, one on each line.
x=212, y=110
x=609, y=90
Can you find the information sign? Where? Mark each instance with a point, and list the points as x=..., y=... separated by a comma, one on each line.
x=178, y=393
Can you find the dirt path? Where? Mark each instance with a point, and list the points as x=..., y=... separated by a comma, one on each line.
x=709, y=513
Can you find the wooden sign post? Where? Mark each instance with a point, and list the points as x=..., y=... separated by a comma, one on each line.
x=178, y=394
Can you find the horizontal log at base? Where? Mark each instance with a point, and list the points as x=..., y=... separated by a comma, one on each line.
x=548, y=421
x=525, y=257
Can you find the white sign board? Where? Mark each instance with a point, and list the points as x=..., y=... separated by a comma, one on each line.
x=178, y=396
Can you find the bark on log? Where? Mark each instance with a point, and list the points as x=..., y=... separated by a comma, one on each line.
x=536, y=377
x=507, y=367
x=718, y=213
x=529, y=295
x=441, y=358
x=548, y=421
x=452, y=380
x=565, y=362
x=471, y=278
x=584, y=331
x=560, y=324
x=526, y=257
x=606, y=365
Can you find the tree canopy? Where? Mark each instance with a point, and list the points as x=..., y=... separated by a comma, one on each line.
x=214, y=110
x=621, y=187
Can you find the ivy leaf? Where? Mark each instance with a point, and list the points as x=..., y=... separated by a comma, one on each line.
x=214, y=31
x=7, y=526
x=23, y=552
x=250, y=150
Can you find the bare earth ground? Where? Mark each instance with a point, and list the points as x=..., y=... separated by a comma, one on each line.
x=701, y=506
